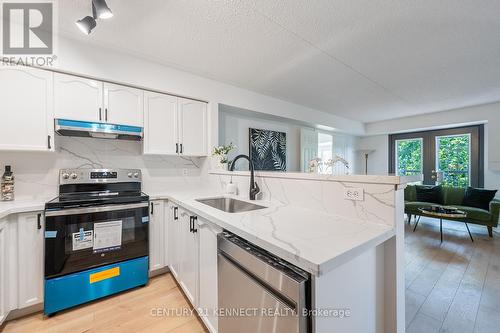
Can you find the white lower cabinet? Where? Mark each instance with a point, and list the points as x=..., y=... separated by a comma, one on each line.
x=192, y=248
x=4, y=301
x=30, y=246
x=157, y=236
x=188, y=255
x=173, y=242
x=207, y=296
x=21, y=262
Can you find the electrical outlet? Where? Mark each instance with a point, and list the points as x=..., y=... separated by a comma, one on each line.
x=185, y=172
x=356, y=194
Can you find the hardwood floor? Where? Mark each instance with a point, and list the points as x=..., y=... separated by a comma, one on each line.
x=453, y=286
x=132, y=311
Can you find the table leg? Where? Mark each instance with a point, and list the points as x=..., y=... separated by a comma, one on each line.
x=416, y=223
x=441, y=228
x=472, y=239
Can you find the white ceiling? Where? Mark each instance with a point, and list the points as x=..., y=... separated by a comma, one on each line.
x=367, y=60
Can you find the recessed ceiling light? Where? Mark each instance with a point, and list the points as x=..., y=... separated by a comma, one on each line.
x=102, y=9
x=86, y=24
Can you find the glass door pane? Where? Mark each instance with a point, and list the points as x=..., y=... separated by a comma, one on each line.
x=325, y=151
x=409, y=157
x=453, y=159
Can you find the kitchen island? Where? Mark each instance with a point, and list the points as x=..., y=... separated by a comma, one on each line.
x=353, y=249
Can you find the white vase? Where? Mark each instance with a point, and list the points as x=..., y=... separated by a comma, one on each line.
x=222, y=166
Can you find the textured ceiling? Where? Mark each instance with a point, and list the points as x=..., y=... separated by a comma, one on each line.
x=367, y=60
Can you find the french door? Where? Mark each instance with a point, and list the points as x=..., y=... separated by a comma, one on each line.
x=451, y=157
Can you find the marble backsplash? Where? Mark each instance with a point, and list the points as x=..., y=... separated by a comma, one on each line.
x=37, y=173
x=37, y=177
x=321, y=196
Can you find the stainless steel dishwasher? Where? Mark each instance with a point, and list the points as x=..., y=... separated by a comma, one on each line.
x=258, y=292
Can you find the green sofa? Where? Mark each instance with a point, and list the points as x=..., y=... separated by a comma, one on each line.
x=453, y=196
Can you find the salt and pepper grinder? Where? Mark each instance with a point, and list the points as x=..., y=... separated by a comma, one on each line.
x=7, y=185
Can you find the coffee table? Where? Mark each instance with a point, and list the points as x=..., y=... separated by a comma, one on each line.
x=442, y=213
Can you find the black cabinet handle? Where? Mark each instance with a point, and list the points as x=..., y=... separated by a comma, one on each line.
x=48, y=141
x=152, y=208
x=191, y=224
x=39, y=221
x=106, y=113
x=176, y=215
x=181, y=148
x=177, y=148
x=100, y=114
x=195, y=218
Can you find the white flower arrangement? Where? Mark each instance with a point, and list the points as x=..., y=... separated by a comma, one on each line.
x=222, y=151
x=318, y=165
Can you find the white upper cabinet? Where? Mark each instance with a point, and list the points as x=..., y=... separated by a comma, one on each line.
x=193, y=127
x=175, y=125
x=77, y=98
x=82, y=99
x=26, y=96
x=160, y=124
x=30, y=245
x=123, y=105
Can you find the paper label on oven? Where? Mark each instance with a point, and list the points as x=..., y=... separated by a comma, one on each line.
x=107, y=235
x=83, y=239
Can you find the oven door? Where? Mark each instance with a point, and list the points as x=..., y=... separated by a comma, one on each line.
x=77, y=239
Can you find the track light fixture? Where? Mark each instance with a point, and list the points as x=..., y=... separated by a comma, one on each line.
x=100, y=10
x=86, y=24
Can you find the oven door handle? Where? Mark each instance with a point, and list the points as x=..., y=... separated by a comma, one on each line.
x=98, y=209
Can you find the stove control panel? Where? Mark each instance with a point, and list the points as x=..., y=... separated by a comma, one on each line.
x=84, y=176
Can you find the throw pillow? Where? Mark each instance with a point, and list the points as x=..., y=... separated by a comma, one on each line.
x=479, y=198
x=431, y=194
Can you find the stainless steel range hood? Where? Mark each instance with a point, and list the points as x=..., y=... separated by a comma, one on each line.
x=97, y=130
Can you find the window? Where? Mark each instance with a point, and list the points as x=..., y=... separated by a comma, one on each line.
x=451, y=157
x=409, y=157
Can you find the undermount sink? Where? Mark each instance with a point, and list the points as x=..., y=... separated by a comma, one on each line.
x=230, y=205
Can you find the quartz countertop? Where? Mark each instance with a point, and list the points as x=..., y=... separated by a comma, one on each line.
x=21, y=206
x=314, y=241
x=317, y=242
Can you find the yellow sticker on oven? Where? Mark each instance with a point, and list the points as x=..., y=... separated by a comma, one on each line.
x=103, y=275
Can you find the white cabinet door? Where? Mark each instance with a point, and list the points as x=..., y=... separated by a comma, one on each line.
x=4, y=301
x=123, y=105
x=188, y=270
x=30, y=259
x=77, y=98
x=156, y=236
x=160, y=124
x=174, y=241
x=193, y=131
x=208, y=296
x=26, y=97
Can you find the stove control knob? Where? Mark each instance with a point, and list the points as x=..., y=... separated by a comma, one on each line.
x=65, y=175
x=136, y=175
x=74, y=176
x=129, y=175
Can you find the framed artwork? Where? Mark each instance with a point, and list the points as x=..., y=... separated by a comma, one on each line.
x=267, y=149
